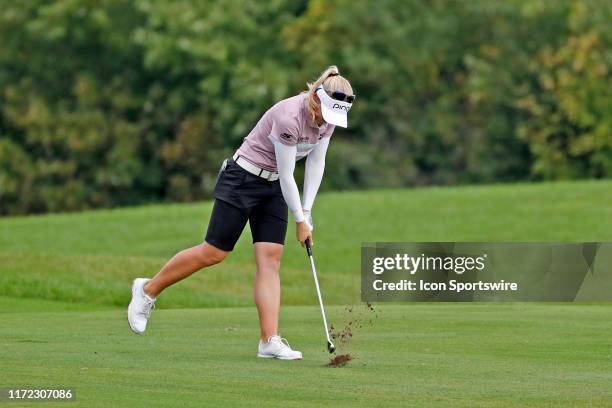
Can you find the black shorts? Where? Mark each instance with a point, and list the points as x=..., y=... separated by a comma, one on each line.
x=240, y=197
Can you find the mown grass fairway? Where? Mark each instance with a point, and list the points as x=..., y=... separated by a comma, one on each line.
x=90, y=257
x=413, y=355
x=64, y=282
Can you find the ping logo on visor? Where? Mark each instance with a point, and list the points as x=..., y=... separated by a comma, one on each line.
x=340, y=107
x=333, y=111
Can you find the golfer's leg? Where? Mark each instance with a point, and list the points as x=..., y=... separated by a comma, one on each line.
x=182, y=265
x=224, y=228
x=267, y=286
x=268, y=222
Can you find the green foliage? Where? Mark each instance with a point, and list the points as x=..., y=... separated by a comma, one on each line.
x=570, y=126
x=118, y=102
x=115, y=102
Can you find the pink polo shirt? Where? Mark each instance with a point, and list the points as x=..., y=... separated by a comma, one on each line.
x=289, y=122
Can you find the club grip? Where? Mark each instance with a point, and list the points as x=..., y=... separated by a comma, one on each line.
x=308, y=246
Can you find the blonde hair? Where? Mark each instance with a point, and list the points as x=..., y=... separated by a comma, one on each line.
x=331, y=80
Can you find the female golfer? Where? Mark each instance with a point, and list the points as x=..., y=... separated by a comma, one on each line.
x=257, y=185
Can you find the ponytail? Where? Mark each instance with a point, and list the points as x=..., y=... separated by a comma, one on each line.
x=332, y=70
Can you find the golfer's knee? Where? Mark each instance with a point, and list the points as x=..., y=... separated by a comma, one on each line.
x=270, y=258
x=273, y=263
x=209, y=255
x=215, y=258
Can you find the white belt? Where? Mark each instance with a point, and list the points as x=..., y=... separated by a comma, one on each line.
x=253, y=169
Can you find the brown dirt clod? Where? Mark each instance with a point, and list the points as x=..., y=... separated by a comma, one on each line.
x=340, y=360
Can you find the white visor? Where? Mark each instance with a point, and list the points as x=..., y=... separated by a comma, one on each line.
x=334, y=111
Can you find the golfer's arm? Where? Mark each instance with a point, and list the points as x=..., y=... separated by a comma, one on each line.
x=315, y=166
x=285, y=163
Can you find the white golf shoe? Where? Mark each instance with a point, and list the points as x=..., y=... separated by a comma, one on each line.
x=277, y=347
x=140, y=307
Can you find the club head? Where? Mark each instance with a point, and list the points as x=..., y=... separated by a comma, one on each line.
x=330, y=347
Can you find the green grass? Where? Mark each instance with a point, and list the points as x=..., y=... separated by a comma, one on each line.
x=64, y=282
x=467, y=355
x=90, y=257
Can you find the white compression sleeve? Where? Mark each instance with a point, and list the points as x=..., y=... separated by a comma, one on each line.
x=285, y=163
x=315, y=166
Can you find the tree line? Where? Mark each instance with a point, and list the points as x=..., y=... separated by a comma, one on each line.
x=117, y=102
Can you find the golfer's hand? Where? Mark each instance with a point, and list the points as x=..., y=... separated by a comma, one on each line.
x=303, y=231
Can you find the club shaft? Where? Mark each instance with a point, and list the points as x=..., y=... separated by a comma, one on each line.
x=316, y=280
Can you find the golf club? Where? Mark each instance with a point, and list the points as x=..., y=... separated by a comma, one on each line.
x=330, y=346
